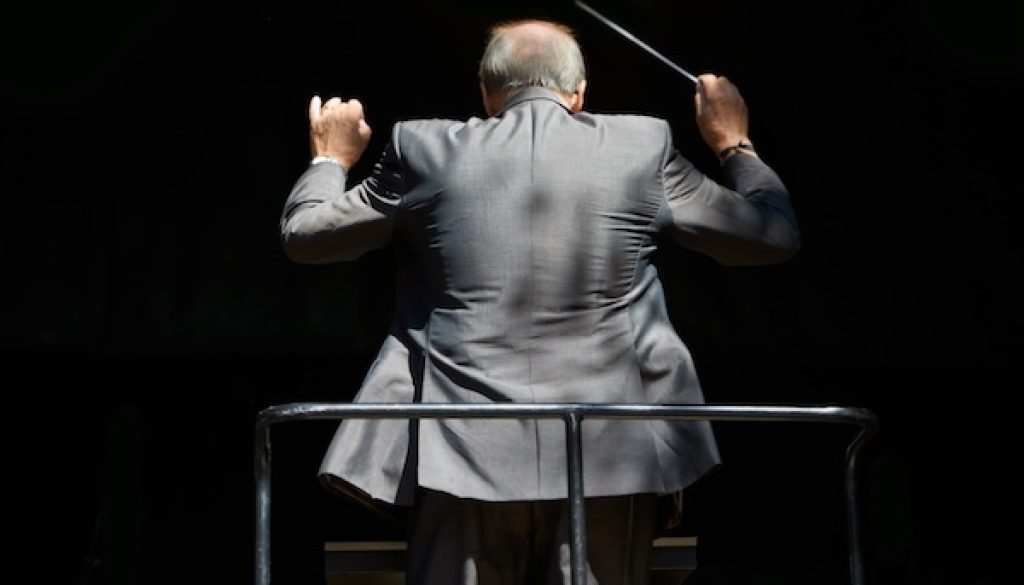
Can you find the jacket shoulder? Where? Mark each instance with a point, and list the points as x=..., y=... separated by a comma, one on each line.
x=634, y=122
x=429, y=126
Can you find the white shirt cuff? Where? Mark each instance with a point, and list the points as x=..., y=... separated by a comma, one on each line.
x=325, y=159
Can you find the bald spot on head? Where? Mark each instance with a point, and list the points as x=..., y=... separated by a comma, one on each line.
x=533, y=35
x=532, y=53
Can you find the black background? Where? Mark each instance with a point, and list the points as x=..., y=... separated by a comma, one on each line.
x=148, y=312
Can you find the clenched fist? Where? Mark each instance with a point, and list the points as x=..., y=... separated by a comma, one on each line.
x=721, y=112
x=337, y=129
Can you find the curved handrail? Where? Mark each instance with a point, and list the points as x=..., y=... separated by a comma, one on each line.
x=573, y=415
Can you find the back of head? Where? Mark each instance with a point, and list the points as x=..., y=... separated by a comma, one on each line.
x=531, y=53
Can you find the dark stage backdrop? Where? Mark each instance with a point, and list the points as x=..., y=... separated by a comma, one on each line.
x=148, y=312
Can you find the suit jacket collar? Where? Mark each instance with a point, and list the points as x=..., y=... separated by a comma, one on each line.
x=528, y=94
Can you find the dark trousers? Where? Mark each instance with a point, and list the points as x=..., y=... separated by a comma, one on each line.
x=455, y=541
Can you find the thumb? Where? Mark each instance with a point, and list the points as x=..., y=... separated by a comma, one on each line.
x=700, y=96
x=314, y=109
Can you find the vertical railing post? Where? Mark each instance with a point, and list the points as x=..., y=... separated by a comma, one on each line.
x=852, y=512
x=262, y=470
x=577, y=512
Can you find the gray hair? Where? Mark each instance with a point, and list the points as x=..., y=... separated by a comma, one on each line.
x=512, y=61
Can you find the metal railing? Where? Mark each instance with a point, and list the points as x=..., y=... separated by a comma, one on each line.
x=572, y=414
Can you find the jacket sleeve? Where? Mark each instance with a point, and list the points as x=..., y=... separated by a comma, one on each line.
x=748, y=221
x=322, y=222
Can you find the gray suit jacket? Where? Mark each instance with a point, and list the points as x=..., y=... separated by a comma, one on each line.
x=525, y=275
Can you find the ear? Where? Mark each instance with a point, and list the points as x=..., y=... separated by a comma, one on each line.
x=492, y=102
x=576, y=99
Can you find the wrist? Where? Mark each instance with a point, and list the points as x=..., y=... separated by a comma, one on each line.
x=743, y=146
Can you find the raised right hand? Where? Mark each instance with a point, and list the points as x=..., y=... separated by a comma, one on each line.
x=721, y=112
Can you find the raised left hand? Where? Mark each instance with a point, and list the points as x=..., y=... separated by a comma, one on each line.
x=338, y=129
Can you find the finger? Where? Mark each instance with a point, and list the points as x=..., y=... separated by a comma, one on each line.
x=701, y=95
x=364, y=129
x=314, y=109
x=355, y=109
x=712, y=86
x=332, y=103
